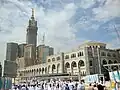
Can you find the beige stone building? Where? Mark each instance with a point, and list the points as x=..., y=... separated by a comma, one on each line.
x=88, y=58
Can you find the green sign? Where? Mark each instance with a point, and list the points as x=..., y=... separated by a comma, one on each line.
x=1, y=83
x=6, y=83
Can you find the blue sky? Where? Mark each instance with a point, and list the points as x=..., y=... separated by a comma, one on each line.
x=66, y=23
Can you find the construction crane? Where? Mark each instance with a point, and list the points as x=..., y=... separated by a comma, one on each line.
x=114, y=29
x=117, y=32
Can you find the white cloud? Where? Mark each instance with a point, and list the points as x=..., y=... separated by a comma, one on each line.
x=114, y=43
x=59, y=33
x=84, y=3
x=108, y=11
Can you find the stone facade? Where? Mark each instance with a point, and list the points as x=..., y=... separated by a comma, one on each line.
x=86, y=59
x=30, y=55
x=20, y=62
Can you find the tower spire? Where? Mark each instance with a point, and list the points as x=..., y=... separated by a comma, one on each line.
x=32, y=13
x=43, y=40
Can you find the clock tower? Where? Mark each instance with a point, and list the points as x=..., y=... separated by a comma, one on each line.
x=31, y=37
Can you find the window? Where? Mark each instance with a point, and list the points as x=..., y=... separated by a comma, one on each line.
x=49, y=60
x=74, y=64
x=114, y=55
x=90, y=63
x=58, y=58
x=53, y=59
x=80, y=54
x=81, y=63
x=67, y=57
x=104, y=62
x=73, y=55
x=115, y=61
x=108, y=54
x=103, y=54
x=110, y=62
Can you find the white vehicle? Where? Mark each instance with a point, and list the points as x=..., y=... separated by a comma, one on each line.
x=98, y=78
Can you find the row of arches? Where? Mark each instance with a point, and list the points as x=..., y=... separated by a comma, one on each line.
x=74, y=67
x=40, y=71
x=74, y=64
x=108, y=54
x=55, y=68
x=54, y=59
x=104, y=62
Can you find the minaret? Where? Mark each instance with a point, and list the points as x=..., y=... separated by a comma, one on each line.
x=31, y=37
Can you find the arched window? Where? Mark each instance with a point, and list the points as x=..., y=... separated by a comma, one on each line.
x=110, y=62
x=81, y=63
x=115, y=61
x=104, y=62
x=49, y=60
x=53, y=68
x=67, y=65
x=53, y=59
x=74, y=64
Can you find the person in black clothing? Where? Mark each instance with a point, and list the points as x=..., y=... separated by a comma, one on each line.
x=100, y=87
x=26, y=88
x=67, y=88
x=43, y=86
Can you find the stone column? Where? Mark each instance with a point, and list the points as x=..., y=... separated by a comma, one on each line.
x=87, y=61
x=62, y=60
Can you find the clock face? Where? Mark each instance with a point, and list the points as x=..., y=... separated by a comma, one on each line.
x=33, y=23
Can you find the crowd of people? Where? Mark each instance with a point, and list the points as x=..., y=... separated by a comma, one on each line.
x=58, y=85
